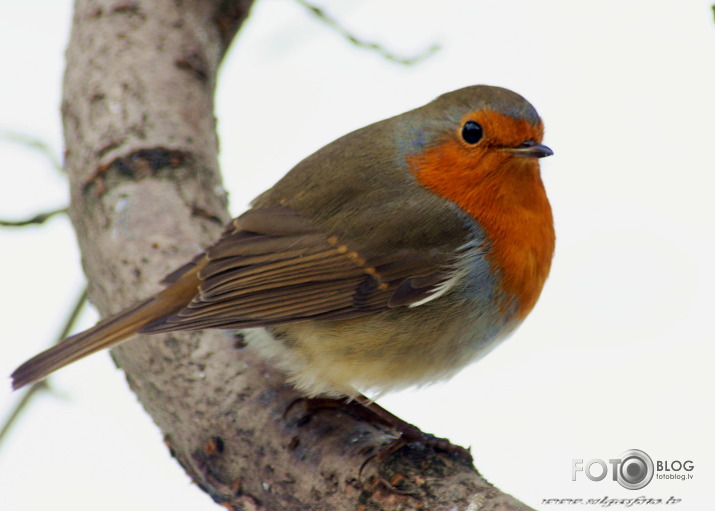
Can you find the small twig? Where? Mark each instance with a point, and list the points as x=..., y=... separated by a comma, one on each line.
x=335, y=25
x=39, y=218
x=45, y=150
x=34, y=143
x=42, y=385
x=20, y=406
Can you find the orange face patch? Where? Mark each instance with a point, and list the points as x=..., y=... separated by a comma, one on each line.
x=503, y=192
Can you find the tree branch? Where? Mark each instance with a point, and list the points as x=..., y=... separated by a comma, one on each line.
x=39, y=218
x=43, y=148
x=331, y=22
x=138, y=116
x=43, y=385
x=34, y=143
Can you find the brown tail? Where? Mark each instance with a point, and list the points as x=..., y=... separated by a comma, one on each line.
x=108, y=332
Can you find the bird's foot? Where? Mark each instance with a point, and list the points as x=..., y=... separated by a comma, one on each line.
x=370, y=411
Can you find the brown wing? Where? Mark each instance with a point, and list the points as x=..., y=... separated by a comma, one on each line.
x=272, y=266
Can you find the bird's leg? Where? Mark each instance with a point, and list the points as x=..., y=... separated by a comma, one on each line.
x=312, y=405
x=408, y=432
x=366, y=409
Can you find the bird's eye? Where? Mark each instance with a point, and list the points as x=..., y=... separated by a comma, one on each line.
x=472, y=132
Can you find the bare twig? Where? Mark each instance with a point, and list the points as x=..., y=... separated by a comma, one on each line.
x=39, y=218
x=21, y=406
x=43, y=148
x=43, y=385
x=35, y=144
x=335, y=25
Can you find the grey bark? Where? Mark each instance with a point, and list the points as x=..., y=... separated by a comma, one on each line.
x=146, y=196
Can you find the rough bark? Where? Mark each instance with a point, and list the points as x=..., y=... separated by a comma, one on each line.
x=146, y=196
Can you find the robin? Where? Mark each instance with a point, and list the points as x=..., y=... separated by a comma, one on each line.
x=391, y=257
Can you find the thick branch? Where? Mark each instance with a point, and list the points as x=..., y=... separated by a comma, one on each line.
x=146, y=196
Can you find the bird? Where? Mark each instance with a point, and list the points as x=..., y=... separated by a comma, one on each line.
x=392, y=257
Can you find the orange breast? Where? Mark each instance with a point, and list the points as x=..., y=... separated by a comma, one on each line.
x=505, y=195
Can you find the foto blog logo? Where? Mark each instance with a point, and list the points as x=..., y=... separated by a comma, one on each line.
x=633, y=470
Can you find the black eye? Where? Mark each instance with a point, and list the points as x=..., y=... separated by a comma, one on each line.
x=472, y=132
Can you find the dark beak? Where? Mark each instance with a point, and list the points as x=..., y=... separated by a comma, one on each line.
x=530, y=149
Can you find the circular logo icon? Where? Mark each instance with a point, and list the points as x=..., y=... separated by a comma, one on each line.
x=636, y=469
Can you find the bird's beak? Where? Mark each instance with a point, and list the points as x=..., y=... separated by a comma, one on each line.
x=530, y=149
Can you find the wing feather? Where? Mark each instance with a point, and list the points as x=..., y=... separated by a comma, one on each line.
x=272, y=266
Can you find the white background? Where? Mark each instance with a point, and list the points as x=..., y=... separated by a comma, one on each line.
x=618, y=353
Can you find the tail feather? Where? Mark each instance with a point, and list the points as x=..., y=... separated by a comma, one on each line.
x=108, y=332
